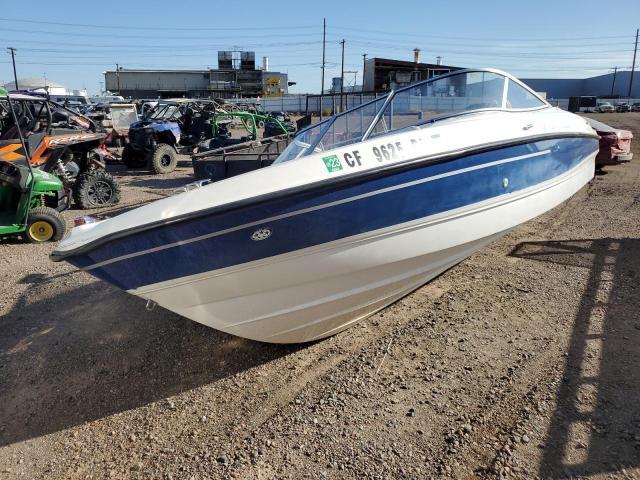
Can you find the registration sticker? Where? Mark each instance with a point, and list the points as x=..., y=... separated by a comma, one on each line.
x=332, y=163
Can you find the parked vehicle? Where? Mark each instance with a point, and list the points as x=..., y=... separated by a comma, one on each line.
x=582, y=104
x=623, y=107
x=30, y=199
x=171, y=128
x=61, y=142
x=615, y=144
x=272, y=129
x=357, y=212
x=107, y=99
x=250, y=122
x=114, y=119
x=635, y=107
x=229, y=161
x=30, y=202
x=605, y=107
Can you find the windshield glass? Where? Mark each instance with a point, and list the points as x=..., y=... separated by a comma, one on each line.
x=415, y=105
x=301, y=144
x=334, y=132
x=165, y=111
x=453, y=94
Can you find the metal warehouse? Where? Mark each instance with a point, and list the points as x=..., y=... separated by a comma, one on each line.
x=609, y=85
x=236, y=77
x=383, y=74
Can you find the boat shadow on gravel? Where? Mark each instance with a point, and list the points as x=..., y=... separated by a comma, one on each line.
x=595, y=428
x=93, y=351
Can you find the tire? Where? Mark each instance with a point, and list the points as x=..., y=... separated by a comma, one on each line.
x=131, y=159
x=163, y=159
x=44, y=224
x=96, y=189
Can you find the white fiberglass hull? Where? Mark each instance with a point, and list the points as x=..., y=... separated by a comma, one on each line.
x=318, y=291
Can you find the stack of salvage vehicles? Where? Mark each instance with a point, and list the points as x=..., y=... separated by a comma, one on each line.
x=53, y=157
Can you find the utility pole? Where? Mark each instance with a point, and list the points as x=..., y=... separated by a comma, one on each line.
x=342, y=79
x=13, y=59
x=324, y=48
x=118, y=77
x=364, y=69
x=633, y=65
x=613, y=83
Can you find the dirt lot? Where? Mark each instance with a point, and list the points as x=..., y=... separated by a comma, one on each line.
x=522, y=362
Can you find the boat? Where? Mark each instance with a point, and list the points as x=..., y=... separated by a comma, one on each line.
x=357, y=212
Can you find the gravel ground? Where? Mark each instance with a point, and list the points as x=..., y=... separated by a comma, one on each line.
x=522, y=362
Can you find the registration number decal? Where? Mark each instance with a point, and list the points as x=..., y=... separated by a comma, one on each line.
x=383, y=152
x=332, y=162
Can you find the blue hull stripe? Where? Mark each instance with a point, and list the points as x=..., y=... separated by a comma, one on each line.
x=306, y=219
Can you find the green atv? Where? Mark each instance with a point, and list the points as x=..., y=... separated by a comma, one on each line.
x=30, y=201
x=250, y=122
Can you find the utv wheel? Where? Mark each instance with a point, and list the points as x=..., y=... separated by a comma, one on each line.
x=163, y=159
x=131, y=159
x=44, y=224
x=96, y=189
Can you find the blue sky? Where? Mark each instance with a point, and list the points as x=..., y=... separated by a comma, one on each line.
x=555, y=39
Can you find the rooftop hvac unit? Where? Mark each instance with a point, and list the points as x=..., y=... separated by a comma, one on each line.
x=247, y=60
x=225, y=60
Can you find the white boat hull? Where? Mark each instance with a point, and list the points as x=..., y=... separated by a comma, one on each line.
x=316, y=292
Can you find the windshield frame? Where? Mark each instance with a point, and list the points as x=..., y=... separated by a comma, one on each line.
x=502, y=107
x=163, y=108
x=389, y=97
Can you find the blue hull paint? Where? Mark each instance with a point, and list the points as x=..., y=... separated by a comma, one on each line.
x=327, y=224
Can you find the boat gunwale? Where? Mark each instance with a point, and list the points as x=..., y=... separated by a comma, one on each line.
x=351, y=178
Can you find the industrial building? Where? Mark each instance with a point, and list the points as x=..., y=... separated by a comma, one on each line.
x=44, y=84
x=608, y=86
x=235, y=77
x=382, y=74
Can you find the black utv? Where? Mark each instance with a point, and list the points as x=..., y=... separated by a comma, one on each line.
x=173, y=127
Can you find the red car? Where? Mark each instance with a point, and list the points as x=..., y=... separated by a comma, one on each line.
x=615, y=144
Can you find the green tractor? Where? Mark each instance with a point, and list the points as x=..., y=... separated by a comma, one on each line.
x=30, y=199
x=29, y=203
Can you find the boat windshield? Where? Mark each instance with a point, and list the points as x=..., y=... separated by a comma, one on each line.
x=451, y=94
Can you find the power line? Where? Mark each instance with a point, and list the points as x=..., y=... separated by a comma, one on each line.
x=147, y=36
x=155, y=27
x=458, y=37
x=93, y=46
x=353, y=39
